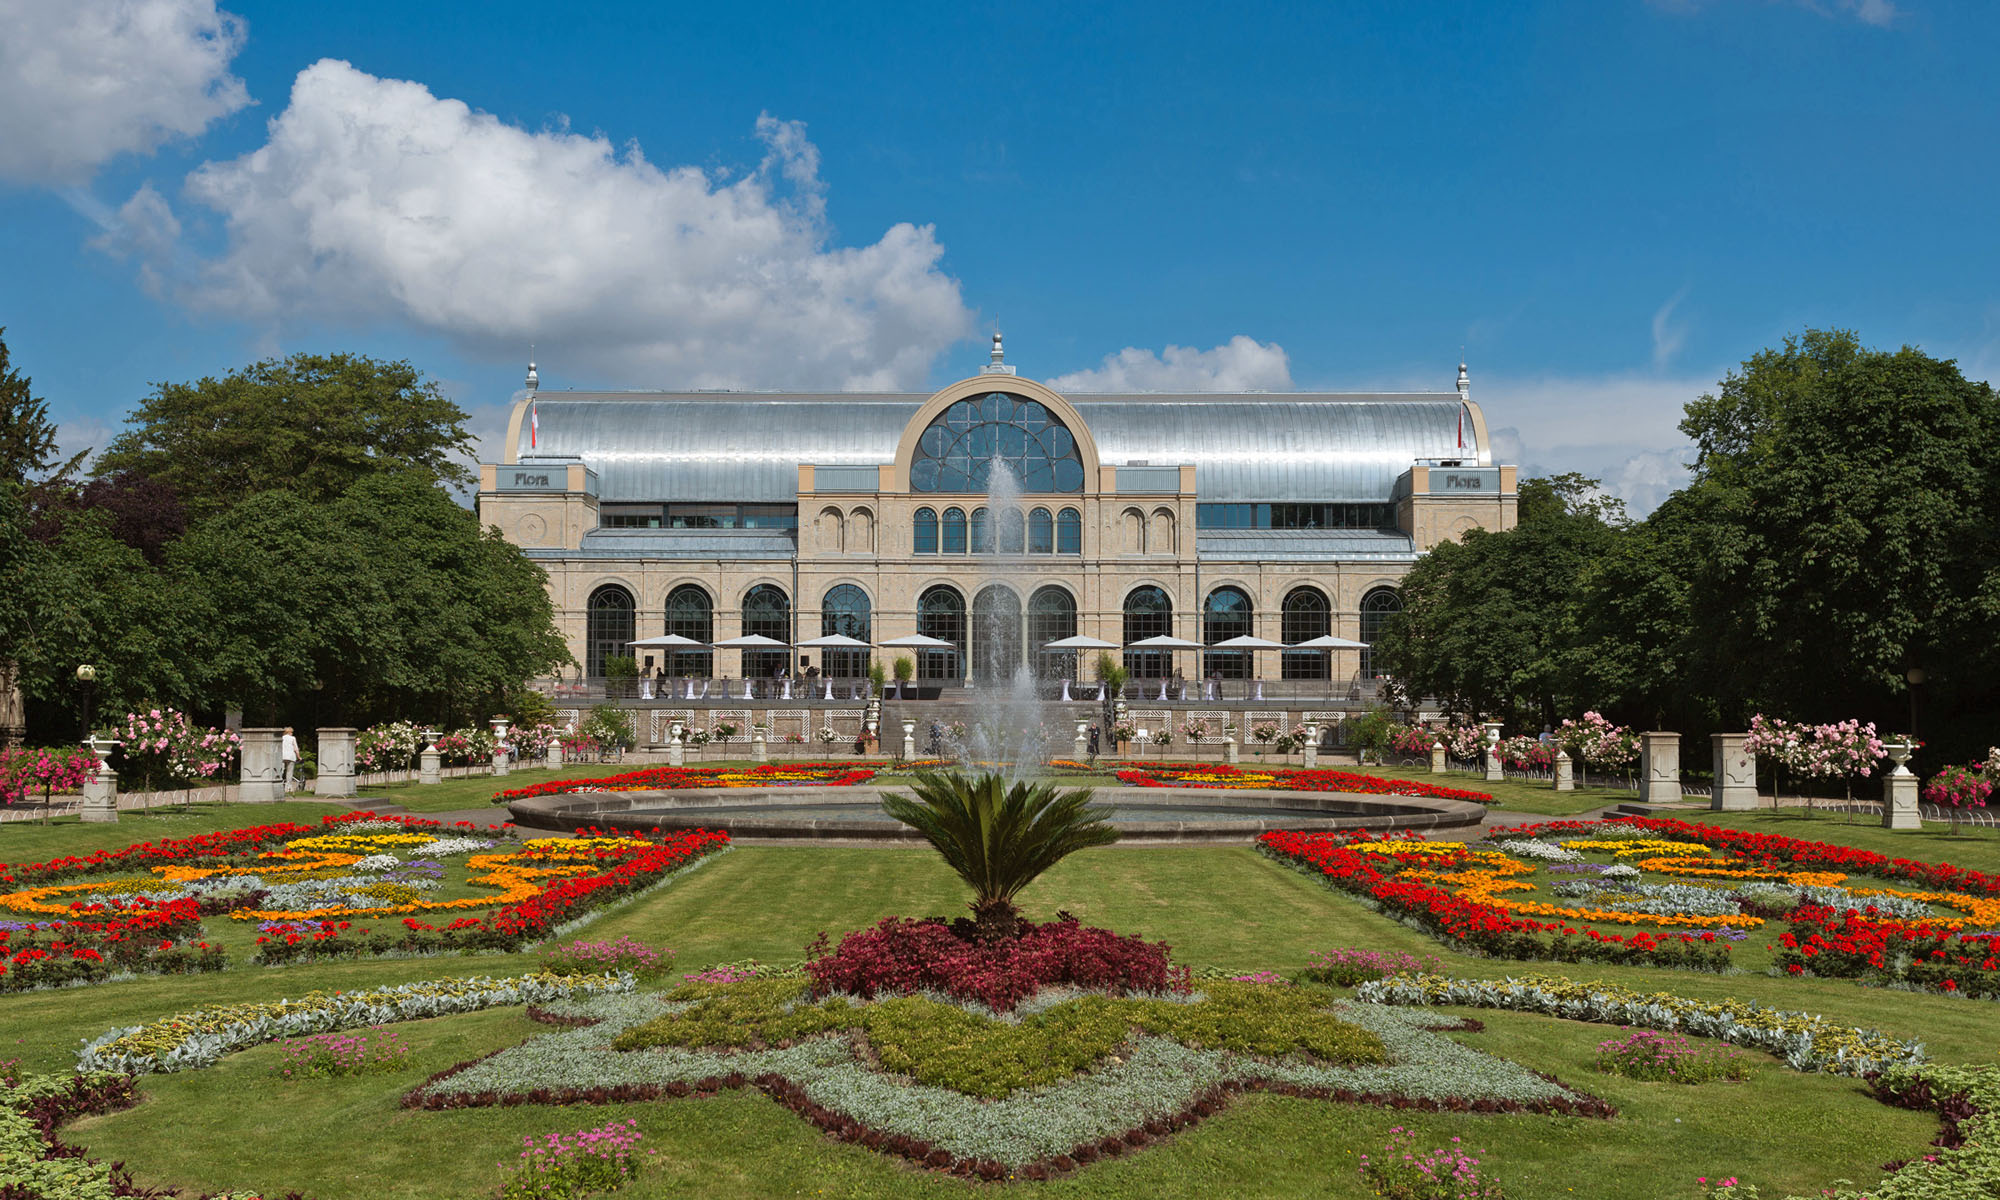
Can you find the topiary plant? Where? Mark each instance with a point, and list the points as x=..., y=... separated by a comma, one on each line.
x=998, y=838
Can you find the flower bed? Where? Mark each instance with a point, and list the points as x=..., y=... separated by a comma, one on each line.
x=673, y=779
x=1406, y=881
x=901, y=956
x=200, y=1038
x=1147, y=1088
x=159, y=939
x=1805, y=1041
x=588, y=873
x=1216, y=775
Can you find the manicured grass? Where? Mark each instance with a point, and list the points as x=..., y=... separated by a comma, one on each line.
x=477, y=791
x=1215, y=906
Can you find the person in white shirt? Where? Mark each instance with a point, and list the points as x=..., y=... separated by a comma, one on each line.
x=288, y=753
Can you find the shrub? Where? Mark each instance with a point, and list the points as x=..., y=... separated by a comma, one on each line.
x=900, y=956
x=1345, y=966
x=608, y=958
x=568, y=1166
x=1446, y=1173
x=1667, y=1058
x=328, y=1054
x=609, y=725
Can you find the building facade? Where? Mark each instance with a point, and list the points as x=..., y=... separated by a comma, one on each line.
x=996, y=515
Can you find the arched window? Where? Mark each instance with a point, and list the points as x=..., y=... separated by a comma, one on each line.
x=958, y=450
x=846, y=611
x=924, y=539
x=1148, y=613
x=1011, y=531
x=1226, y=615
x=996, y=634
x=691, y=614
x=1051, y=618
x=1041, y=532
x=1069, y=532
x=941, y=614
x=1160, y=535
x=860, y=532
x=982, y=532
x=1376, y=608
x=610, y=621
x=1307, y=615
x=767, y=612
x=954, y=531
x=1132, y=523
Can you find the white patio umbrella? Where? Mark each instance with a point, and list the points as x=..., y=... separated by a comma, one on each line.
x=1252, y=644
x=921, y=642
x=1328, y=644
x=834, y=641
x=750, y=641
x=669, y=641
x=1165, y=641
x=1080, y=643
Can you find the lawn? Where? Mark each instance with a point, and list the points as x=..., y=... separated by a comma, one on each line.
x=1216, y=906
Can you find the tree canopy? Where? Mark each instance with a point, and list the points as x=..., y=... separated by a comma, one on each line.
x=309, y=424
x=27, y=436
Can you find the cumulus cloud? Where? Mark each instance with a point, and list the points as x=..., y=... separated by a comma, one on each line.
x=83, y=81
x=1242, y=364
x=374, y=200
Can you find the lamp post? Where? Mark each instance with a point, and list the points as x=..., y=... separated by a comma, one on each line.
x=86, y=678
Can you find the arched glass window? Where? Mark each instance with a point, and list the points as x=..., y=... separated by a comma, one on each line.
x=610, y=621
x=957, y=451
x=1376, y=608
x=1307, y=616
x=941, y=614
x=954, y=531
x=1069, y=532
x=846, y=611
x=996, y=634
x=767, y=612
x=691, y=614
x=1013, y=527
x=924, y=539
x=1148, y=613
x=1226, y=615
x=1041, y=532
x=1051, y=618
x=982, y=532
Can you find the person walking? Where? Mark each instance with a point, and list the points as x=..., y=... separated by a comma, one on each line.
x=288, y=757
x=1093, y=741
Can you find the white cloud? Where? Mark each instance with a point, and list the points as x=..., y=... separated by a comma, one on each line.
x=1879, y=13
x=1242, y=364
x=83, y=81
x=1621, y=429
x=374, y=200
x=1668, y=335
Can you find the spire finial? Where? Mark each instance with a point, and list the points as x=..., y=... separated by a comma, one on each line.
x=996, y=361
x=1464, y=380
x=534, y=381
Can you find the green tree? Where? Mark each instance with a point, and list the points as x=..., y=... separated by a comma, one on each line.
x=309, y=424
x=1859, y=498
x=27, y=436
x=998, y=838
x=1482, y=618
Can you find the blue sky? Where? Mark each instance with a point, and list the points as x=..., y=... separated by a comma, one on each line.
x=1607, y=203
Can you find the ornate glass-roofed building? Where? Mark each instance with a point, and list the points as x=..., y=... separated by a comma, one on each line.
x=996, y=515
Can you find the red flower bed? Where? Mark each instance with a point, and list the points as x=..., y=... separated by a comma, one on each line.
x=1851, y=944
x=1223, y=776
x=824, y=774
x=901, y=956
x=628, y=869
x=1477, y=927
x=160, y=939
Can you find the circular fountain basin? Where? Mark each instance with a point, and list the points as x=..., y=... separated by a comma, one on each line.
x=1141, y=815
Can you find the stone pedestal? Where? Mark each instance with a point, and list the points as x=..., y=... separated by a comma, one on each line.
x=1437, y=758
x=263, y=773
x=1229, y=749
x=554, y=757
x=1565, y=772
x=676, y=747
x=1311, y=747
x=1899, y=791
x=336, y=763
x=909, y=735
x=430, y=764
x=100, y=791
x=1491, y=753
x=1735, y=786
x=1659, y=767
x=500, y=755
x=759, y=752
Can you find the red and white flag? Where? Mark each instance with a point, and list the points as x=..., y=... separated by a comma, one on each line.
x=1461, y=427
x=535, y=426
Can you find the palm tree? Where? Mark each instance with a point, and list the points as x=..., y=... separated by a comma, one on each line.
x=998, y=838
